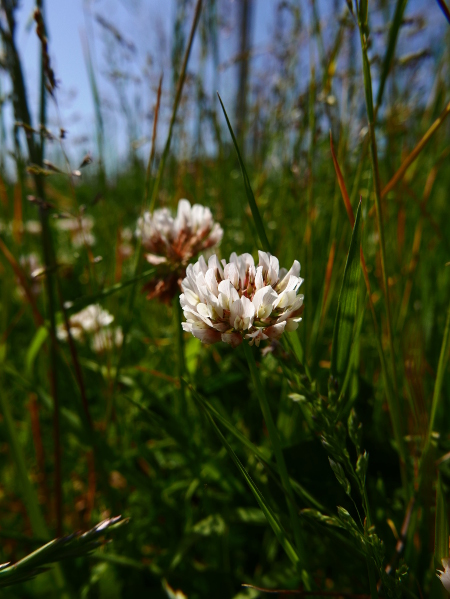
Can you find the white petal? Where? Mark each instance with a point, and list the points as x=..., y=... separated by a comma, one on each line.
x=263, y=300
x=241, y=314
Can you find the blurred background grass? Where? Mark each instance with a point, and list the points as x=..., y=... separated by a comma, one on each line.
x=149, y=456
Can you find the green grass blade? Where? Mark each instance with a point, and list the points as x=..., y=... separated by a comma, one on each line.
x=300, y=490
x=248, y=188
x=390, y=50
x=346, y=312
x=443, y=358
x=268, y=513
x=86, y=300
x=71, y=546
x=33, y=349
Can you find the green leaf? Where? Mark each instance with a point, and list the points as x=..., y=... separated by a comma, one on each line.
x=33, y=349
x=346, y=311
x=248, y=188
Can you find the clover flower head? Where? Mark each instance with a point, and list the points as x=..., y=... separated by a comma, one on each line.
x=233, y=300
x=177, y=240
x=91, y=319
x=444, y=576
x=171, y=242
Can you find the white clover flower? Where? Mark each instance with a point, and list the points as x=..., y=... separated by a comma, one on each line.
x=177, y=240
x=173, y=242
x=91, y=319
x=444, y=576
x=236, y=300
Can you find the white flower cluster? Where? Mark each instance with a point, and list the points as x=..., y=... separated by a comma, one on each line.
x=176, y=240
x=230, y=301
x=92, y=320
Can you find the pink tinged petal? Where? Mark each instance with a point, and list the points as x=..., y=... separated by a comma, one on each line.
x=256, y=337
x=206, y=336
x=276, y=330
x=233, y=339
x=221, y=326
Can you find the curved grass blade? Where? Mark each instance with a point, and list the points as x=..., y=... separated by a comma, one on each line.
x=86, y=300
x=248, y=188
x=71, y=546
x=346, y=312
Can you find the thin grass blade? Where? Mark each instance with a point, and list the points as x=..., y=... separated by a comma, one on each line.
x=248, y=188
x=346, y=312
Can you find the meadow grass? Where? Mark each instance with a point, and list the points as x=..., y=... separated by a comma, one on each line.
x=317, y=463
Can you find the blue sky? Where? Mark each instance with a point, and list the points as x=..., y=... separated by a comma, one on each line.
x=148, y=24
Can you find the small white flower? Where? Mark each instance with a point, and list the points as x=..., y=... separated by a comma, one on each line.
x=33, y=227
x=80, y=230
x=236, y=300
x=172, y=242
x=91, y=319
x=444, y=576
